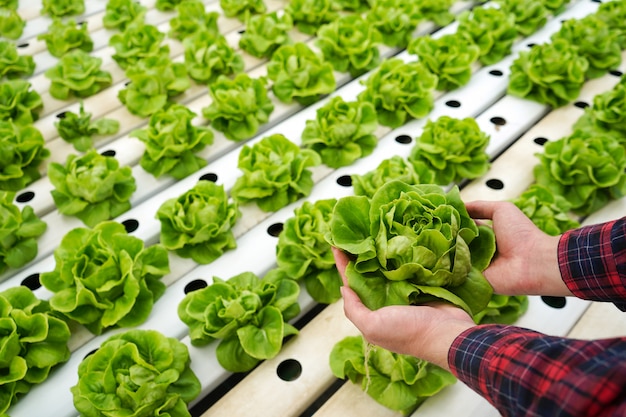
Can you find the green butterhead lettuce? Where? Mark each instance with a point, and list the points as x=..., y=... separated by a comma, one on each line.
x=491, y=29
x=121, y=13
x=614, y=14
x=351, y=5
x=137, y=42
x=396, y=20
x=77, y=74
x=22, y=149
x=60, y=8
x=136, y=373
x=555, y=7
x=530, y=15
x=9, y=4
x=242, y=9
x=208, y=55
x=503, y=309
x=607, y=114
x=12, y=64
x=65, y=36
x=192, y=17
x=265, y=33
x=548, y=211
x=412, y=244
x=309, y=15
x=11, y=24
x=167, y=5
x=437, y=10
x=79, y=129
x=19, y=102
x=104, y=278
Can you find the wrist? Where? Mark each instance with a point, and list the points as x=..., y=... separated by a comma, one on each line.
x=435, y=344
x=545, y=271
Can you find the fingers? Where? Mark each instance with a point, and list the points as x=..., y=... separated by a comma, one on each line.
x=341, y=260
x=482, y=209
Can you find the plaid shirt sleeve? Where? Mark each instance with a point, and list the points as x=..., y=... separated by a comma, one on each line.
x=526, y=373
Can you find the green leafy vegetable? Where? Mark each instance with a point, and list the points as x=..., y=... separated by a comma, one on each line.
x=555, y=7
x=137, y=42
x=350, y=44
x=303, y=253
x=454, y=149
x=588, y=171
x=33, y=341
x=9, y=4
x=300, y=74
x=22, y=149
x=167, y=5
x=239, y=106
x=551, y=73
x=503, y=309
x=92, y=187
x=208, y=55
x=121, y=13
x=492, y=30
x=248, y=314
x=351, y=5
x=396, y=20
x=614, y=14
x=18, y=233
x=172, y=142
x=309, y=15
x=394, y=168
x=11, y=24
x=342, y=132
x=548, y=211
x=152, y=81
x=104, y=278
x=449, y=57
x=265, y=33
x=136, y=373
x=192, y=17
x=79, y=129
x=12, y=64
x=530, y=15
x=400, y=91
x=275, y=173
x=607, y=115
x=242, y=9
x=198, y=224
x=399, y=382
x=437, y=10
x=65, y=36
x=79, y=74
x=413, y=244
x=18, y=102
x=60, y=8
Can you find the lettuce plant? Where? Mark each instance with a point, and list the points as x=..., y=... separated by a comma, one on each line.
x=491, y=29
x=152, y=82
x=9, y=4
x=303, y=253
x=503, y=309
x=437, y=11
x=18, y=233
x=247, y=314
x=265, y=33
x=77, y=74
x=18, y=102
x=607, y=114
x=309, y=15
x=92, y=187
x=104, y=278
x=449, y=57
x=454, y=149
x=12, y=64
x=192, y=17
x=239, y=106
x=137, y=42
x=342, y=132
x=65, y=36
x=172, y=142
x=551, y=73
x=121, y=13
x=394, y=168
x=530, y=15
x=22, y=150
x=33, y=342
x=350, y=44
x=411, y=244
x=11, y=24
x=274, y=173
x=208, y=55
x=79, y=129
x=399, y=382
x=555, y=7
x=400, y=91
x=396, y=20
x=595, y=41
x=242, y=9
x=588, y=171
x=60, y=8
x=300, y=74
x=358, y=6
x=614, y=14
x=548, y=211
x=167, y=5
x=198, y=224
x=138, y=373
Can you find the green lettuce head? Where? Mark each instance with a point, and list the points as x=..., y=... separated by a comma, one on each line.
x=11, y=24
x=548, y=211
x=33, y=341
x=121, y=13
x=309, y=15
x=396, y=20
x=12, y=64
x=503, y=309
x=59, y=8
x=607, y=114
x=198, y=224
x=208, y=55
x=19, y=102
x=491, y=29
x=437, y=10
x=22, y=150
x=192, y=17
x=530, y=15
x=105, y=278
x=77, y=74
x=413, y=244
x=138, y=41
x=136, y=373
x=614, y=13
x=79, y=129
x=265, y=33
x=65, y=36
x=242, y=9
x=249, y=315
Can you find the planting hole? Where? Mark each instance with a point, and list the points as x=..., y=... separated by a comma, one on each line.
x=127, y=83
x=530, y=45
x=275, y=229
x=496, y=72
x=345, y=181
x=62, y=115
x=289, y=370
x=554, y=302
x=195, y=285
x=242, y=31
x=453, y=103
x=581, y=104
x=498, y=121
x=616, y=73
x=495, y=184
x=90, y=353
x=130, y=225
x=25, y=197
x=540, y=141
x=209, y=177
x=404, y=139
x=32, y=282
x=81, y=23
x=23, y=45
x=109, y=152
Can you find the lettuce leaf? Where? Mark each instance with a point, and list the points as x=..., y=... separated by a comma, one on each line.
x=242, y=9
x=192, y=17
x=22, y=150
x=208, y=55
x=167, y=5
x=548, y=211
x=530, y=15
x=65, y=36
x=60, y=8
x=12, y=64
x=79, y=129
x=137, y=42
x=614, y=14
x=265, y=33
x=11, y=24
x=18, y=102
x=77, y=74
x=607, y=114
x=437, y=11
x=121, y=13
x=492, y=30
x=503, y=309
x=309, y=15
x=396, y=20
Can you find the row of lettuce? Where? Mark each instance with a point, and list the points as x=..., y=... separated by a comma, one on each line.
x=250, y=315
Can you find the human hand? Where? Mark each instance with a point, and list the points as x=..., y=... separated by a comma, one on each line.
x=425, y=331
x=526, y=259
